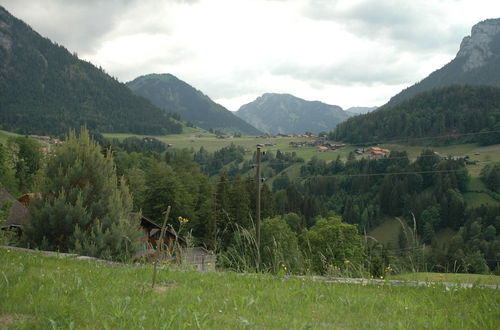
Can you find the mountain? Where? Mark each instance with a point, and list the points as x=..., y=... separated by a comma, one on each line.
x=476, y=63
x=285, y=113
x=360, y=110
x=172, y=94
x=451, y=110
x=44, y=89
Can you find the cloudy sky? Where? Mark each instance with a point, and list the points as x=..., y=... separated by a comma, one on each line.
x=343, y=52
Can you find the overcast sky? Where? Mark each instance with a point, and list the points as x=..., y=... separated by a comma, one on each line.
x=343, y=52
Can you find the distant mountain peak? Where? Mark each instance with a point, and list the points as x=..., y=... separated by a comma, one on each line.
x=479, y=47
x=284, y=113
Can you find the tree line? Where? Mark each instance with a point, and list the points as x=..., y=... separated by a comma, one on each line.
x=452, y=110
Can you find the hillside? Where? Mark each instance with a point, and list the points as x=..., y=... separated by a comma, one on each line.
x=476, y=63
x=171, y=94
x=441, y=111
x=287, y=114
x=44, y=89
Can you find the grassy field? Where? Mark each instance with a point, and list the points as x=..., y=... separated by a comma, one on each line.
x=42, y=292
x=194, y=138
x=4, y=136
x=388, y=232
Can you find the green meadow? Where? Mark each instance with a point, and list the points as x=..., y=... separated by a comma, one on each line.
x=45, y=292
x=195, y=139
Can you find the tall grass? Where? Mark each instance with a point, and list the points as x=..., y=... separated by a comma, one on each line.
x=38, y=292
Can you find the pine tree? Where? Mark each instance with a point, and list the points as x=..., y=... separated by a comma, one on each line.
x=84, y=208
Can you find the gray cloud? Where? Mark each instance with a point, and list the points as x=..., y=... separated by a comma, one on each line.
x=361, y=70
x=82, y=25
x=413, y=25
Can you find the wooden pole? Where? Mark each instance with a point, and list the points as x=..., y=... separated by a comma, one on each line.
x=164, y=227
x=160, y=246
x=257, y=209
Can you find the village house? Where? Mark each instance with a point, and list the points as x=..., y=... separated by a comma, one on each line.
x=378, y=153
x=323, y=149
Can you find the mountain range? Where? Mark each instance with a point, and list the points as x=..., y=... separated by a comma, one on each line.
x=287, y=114
x=172, y=94
x=476, y=63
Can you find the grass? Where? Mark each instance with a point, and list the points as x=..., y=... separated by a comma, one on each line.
x=482, y=155
x=449, y=277
x=387, y=232
x=197, y=139
x=476, y=194
x=43, y=292
x=4, y=136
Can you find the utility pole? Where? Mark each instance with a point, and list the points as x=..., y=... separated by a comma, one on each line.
x=257, y=207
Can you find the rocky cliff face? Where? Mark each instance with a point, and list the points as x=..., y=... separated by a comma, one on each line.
x=477, y=63
x=481, y=45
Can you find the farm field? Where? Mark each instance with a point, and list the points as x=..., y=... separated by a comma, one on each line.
x=44, y=292
x=195, y=139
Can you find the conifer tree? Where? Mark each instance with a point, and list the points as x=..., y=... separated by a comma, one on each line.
x=84, y=207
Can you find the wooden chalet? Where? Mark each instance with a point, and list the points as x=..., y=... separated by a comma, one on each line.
x=152, y=235
x=18, y=214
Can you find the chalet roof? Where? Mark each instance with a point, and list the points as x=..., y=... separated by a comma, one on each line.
x=148, y=223
x=18, y=215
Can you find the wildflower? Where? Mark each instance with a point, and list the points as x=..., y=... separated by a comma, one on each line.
x=381, y=277
x=346, y=262
x=8, y=251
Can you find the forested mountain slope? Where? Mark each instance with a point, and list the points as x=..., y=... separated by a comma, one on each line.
x=172, y=94
x=477, y=63
x=44, y=89
x=441, y=111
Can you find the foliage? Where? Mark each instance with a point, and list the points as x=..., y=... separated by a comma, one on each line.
x=28, y=160
x=443, y=111
x=279, y=246
x=330, y=242
x=8, y=178
x=84, y=206
x=490, y=175
x=134, y=144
